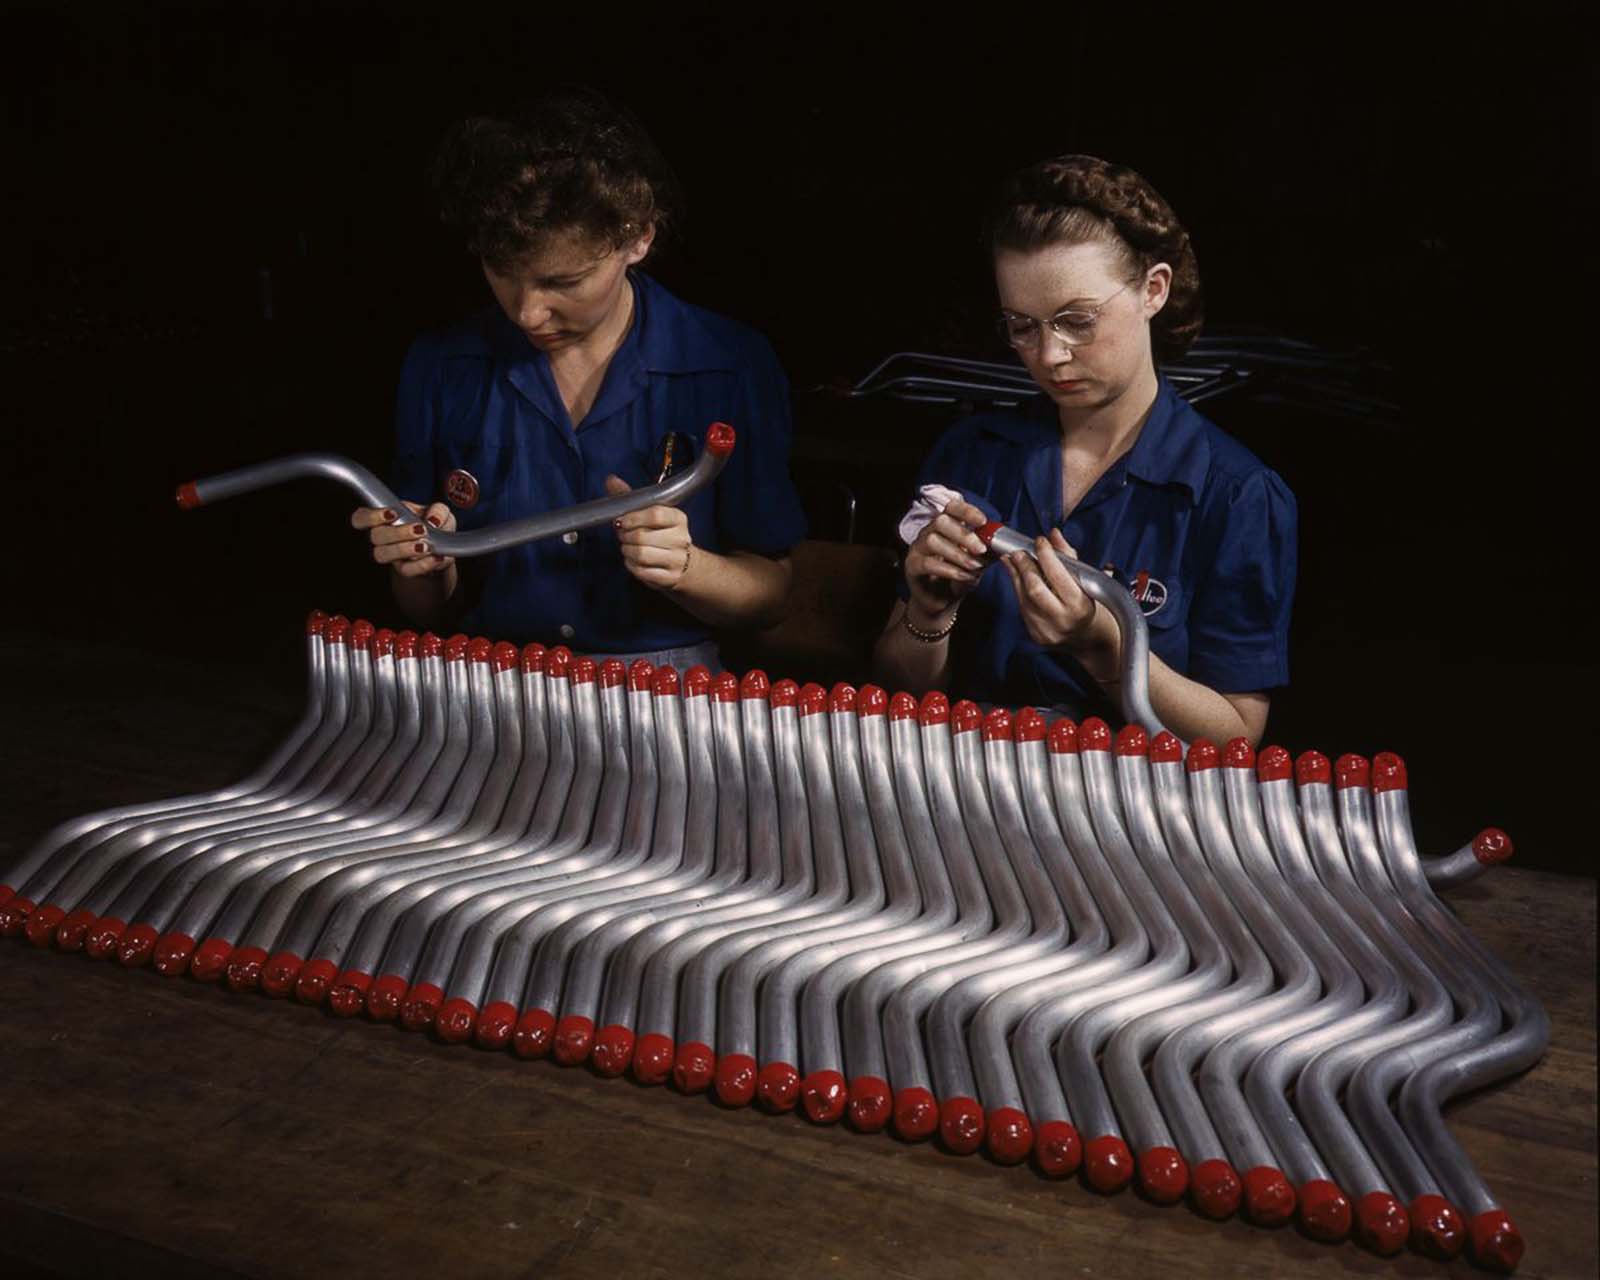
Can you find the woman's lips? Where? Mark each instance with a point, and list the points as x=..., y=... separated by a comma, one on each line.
x=1068, y=384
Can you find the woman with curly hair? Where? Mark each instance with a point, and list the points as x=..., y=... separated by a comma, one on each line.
x=587, y=378
x=1097, y=281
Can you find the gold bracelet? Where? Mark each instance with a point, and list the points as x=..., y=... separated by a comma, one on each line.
x=928, y=637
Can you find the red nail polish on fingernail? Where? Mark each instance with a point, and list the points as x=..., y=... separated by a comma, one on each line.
x=421, y=547
x=388, y=515
x=434, y=521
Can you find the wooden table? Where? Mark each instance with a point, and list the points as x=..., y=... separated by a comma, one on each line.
x=149, y=1124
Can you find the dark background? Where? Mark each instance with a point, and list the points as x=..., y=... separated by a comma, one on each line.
x=218, y=242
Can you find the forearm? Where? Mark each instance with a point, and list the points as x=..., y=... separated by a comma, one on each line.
x=901, y=661
x=429, y=600
x=740, y=589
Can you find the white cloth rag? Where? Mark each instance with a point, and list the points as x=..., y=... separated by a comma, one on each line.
x=931, y=501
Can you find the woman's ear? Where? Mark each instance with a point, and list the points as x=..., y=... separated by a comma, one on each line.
x=638, y=249
x=1157, y=288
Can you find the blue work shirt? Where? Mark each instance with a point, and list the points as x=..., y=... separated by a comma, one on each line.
x=1195, y=525
x=481, y=398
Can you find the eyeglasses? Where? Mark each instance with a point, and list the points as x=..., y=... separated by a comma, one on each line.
x=1075, y=326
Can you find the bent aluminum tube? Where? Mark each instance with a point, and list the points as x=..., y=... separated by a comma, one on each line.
x=1135, y=632
x=1487, y=849
x=52, y=847
x=476, y=542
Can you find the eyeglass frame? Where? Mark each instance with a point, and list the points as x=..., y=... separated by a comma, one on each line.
x=1036, y=334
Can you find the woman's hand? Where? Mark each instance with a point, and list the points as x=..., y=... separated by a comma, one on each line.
x=1055, y=609
x=404, y=547
x=655, y=541
x=945, y=561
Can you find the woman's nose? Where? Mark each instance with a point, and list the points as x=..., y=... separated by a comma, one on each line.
x=532, y=309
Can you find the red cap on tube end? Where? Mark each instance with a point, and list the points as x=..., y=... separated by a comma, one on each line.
x=244, y=968
x=557, y=662
x=172, y=953
x=138, y=944
x=965, y=717
x=693, y=1067
x=997, y=726
x=505, y=656
x=872, y=701
x=495, y=1024
x=534, y=1031
x=384, y=997
x=1165, y=749
x=574, y=1039
x=641, y=676
x=279, y=973
x=349, y=994
x=1132, y=740
x=532, y=657
x=405, y=644
x=1202, y=755
x=813, y=699
x=102, y=936
x=613, y=673
x=188, y=496
x=696, y=682
x=1492, y=845
x=1239, y=754
x=823, y=1097
x=1215, y=1189
x=988, y=530
x=361, y=633
x=755, y=684
x=1381, y=1222
x=613, y=1050
x=902, y=706
x=420, y=1009
x=842, y=698
x=1324, y=1211
x=725, y=687
x=653, y=1057
x=1057, y=1151
x=312, y=985
x=933, y=709
x=961, y=1125
x=664, y=682
x=916, y=1114
x=210, y=959
x=719, y=439
x=382, y=642
x=1436, y=1228
x=1388, y=772
x=736, y=1080
x=42, y=923
x=1274, y=765
x=1352, y=770
x=1496, y=1242
x=1008, y=1135
x=778, y=1087
x=1107, y=1163
x=316, y=620
x=6, y=894
x=1063, y=737
x=429, y=645
x=584, y=670
x=71, y=932
x=1030, y=725
x=1094, y=734
x=457, y=1020
x=337, y=631
x=455, y=648
x=1163, y=1175
x=1268, y=1197
x=871, y=1104
x=1312, y=767
x=785, y=693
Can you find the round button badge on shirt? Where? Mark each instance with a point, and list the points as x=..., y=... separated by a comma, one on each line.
x=567, y=631
x=570, y=537
x=461, y=489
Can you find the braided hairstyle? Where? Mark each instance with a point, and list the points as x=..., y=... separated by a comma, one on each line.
x=570, y=161
x=1082, y=199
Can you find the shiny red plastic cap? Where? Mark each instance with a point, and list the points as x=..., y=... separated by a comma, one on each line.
x=736, y=1079
x=1381, y=1222
x=101, y=938
x=696, y=682
x=456, y=1021
x=557, y=662
x=961, y=1126
x=641, y=676
x=823, y=1096
x=534, y=1031
x=1312, y=767
x=842, y=698
x=1163, y=1174
x=965, y=717
x=532, y=657
x=1165, y=749
x=1107, y=1163
x=71, y=932
x=987, y=531
x=172, y=953
x=42, y=923
x=505, y=656
x=778, y=1086
x=429, y=645
x=997, y=726
x=1436, y=1228
x=584, y=670
x=902, y=707
x=138, y=944
x=653, y=1058
x=1030, y=725
x=1496, y=1242
x=1324, y=1211
x=1132, y=740
x=871, y=1104
x=338, y=629
x=613, y=1050
x=210, y=959
x=933, y=709
x=384, y=997
x=613, y=673
x=279, y=973
x=1492, y=845
x=188, y=496
x=1274, y=765
x=405, y=645
x=382, y=642
x=1215, y=1189
x=693, y=1067
x=316, y=620
x=361, y=633
x=348, y=995
x=1268, y=1197
x=1008, y=1135
x=871, y=701
x=1058, y=1151
x=455, y=648
x=574, y=1039
x=1239, y=754
x=813, y=699
x=719, y=439
x=1388, y=772
x=664, y=683
x=755, y=684
x=420, y=1008
x=1062, y=738
x=1202, y=756
x=495, y=1024
x=1352, y=770
x=783, y=694
x=916, y=1114
x=244, y=968
x=1094, y=734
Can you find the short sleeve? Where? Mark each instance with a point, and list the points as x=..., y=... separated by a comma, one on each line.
x=758, y=508
x=1239, y=621
x=416, y=413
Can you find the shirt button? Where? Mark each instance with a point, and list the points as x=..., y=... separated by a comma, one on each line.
x=570, y=537
x=566, y=631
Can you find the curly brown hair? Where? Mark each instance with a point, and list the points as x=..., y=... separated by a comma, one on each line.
x=1079, y=199
x=570, y=161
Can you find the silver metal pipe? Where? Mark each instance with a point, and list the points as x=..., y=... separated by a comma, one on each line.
x=1487, y=849
x=475, y=542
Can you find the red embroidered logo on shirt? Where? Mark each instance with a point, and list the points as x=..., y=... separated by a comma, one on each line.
x=1150, y=593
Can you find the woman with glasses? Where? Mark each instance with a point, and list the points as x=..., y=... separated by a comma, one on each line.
x=1097, y=282
x=586, y=378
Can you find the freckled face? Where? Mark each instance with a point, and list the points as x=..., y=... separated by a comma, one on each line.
x=566, y=291
x=1082, y=277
